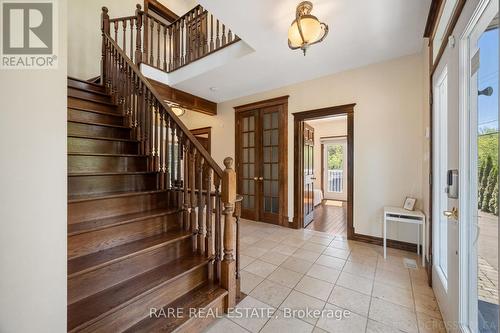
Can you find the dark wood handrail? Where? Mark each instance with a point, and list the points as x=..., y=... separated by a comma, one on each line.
x=199, y=147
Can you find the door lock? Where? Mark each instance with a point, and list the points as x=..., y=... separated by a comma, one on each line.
x=451, y=214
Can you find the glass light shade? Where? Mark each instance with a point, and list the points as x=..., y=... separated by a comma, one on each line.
x=178, y=111
x=311, y=30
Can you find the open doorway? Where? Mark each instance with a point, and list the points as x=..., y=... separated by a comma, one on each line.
x=324, y=170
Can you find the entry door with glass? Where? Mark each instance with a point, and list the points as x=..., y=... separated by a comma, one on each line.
x=258, y=163
x=479, y=147
x=335, y=168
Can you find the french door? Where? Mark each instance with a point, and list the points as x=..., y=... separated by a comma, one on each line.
x=479, y=300
x=335, y=169
x=259, y=163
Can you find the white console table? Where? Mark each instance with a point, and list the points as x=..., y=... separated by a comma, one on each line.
x=397, y=214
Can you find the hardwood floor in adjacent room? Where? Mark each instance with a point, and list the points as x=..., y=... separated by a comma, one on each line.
x=331, y=217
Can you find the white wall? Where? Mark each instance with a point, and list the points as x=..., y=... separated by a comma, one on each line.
x=33, y=196
x=388, y=133
x=336, y=126
x=84, y=32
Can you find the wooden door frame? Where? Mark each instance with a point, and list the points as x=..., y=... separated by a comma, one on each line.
x=433, y=19
x=283, y=148
x=298, y=175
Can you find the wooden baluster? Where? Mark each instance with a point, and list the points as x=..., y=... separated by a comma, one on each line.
x=151, y=51
x=132, y=24
x=211, y=32
x=162, y=149
x=192, y=200
x=223, y=35
x=142, y=119
x=138, y=39
x=165, y=48
x=171, y=48
x=124, y=37
x=217, y=39
x=208, y=186
x=184, y=40
x=204, y=35
x=237, y=215
x=146, y=38
x=134, y=103
x=104, y=32
x=228, y=269
x=229, y=36
x=115, y=25
x=155, y=134
x=173, y=129
x=180, y=180
x=187, y=179
x=167, y=151
x=149, y=120
x=158, y=61
x=181, y=25
x=218, y=228
x=199, y=188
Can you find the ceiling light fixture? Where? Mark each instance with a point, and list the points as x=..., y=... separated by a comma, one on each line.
x=178, y=110
x=306, y=29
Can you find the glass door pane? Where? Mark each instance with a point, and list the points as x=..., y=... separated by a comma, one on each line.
x=335, y=169
x=487, y=180
x=248, y=162
x=270, y=161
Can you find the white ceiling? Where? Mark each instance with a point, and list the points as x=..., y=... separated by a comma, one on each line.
x=361, y=32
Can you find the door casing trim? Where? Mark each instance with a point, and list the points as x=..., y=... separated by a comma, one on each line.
x=298, y=175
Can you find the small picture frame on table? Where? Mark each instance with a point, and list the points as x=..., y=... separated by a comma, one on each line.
x=409, y=203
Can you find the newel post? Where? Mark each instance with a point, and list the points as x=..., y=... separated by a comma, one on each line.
x=228, y=266
x=104, y=31
x=138, y=39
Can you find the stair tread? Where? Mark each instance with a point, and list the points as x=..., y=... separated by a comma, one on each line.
x=93, y=225
x=99, y=138
x=93, y=101
x=98, y=124
x=98, y=305
x=109, y=195
x=106, y=154
x=70, y=78
x=114, y=114
x=89, y=262
x=97, y=92
x=198, y=298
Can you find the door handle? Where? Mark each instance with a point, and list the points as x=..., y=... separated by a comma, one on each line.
x=261, y=178
x=313, y=178
x=255, y=178
x=451, y=214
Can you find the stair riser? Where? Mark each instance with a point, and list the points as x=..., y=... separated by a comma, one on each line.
x=195, y=324
x=96, y=130
x=83, y=145
x=89, y=163
x=92, y=96
x=92, y=117
x=82, y=85
x=94, y=209
x=86, y=243
x=87, y=185
x=81, y=103
x=89, y=283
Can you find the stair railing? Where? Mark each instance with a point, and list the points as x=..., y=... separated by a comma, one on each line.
x=168, y=46
x=203, y=192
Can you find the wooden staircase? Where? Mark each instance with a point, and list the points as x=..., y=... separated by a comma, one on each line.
x=134, y=243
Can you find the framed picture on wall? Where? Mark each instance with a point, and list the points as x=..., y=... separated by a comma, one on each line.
x=409, y=203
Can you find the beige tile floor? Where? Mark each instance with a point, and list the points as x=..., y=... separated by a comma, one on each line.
x=285, y=269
